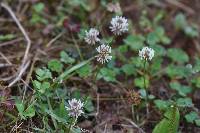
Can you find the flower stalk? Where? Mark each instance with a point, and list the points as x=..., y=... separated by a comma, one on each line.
x=145, y=87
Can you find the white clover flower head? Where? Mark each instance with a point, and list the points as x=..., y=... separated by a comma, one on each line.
x=75, y=108
x=92, y=36
x=119, y=25
x=104, y=52
x=146, y=53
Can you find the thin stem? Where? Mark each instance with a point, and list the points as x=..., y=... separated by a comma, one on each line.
x=70, y=126
x=77, y=47
x=72, y=123
x=145, y=87
x=133, y=112
x=50, y=107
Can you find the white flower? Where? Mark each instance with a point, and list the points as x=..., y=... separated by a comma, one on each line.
x=92, y=36
x=75, y=108
x=119, y=25
x=146, y=53
x=104, y=53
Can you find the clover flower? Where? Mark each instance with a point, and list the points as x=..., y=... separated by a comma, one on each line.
x=146, y=53
x=119, y=25
x=75, y=108
x=104, y=52
x=92, y=36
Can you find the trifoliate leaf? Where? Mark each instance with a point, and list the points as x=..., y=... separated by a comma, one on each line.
x=136, y=42
x=161, y=104
x=85, y=70
x=182, y=89
x=139, y=82
x=184, y=102
x=55, y=65
x=128, y=69
x=191, y=117
x=177, y=55
x=66, y=58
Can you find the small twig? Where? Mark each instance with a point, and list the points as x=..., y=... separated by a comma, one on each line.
x=54, y=39
x=5, y=65
x=132, y=123
x=20, y=74
x=5, y=58
x=7, y=78
x=105, y=128
x=11, y=42
x=24, y=64
x=29, y=76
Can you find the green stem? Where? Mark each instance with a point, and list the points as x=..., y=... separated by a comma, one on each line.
x=145, y=87
x=72, y=123
x=69, y=129
x=50, y=107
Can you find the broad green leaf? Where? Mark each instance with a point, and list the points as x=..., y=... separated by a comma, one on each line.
x=196, y=81
x=184, y=102
x=158, y=36
x=52, y=114
x=159, y=50
x=180, y=21
x=123, y=48
x=88, y=105
x=156, y=65
x=44, y=87
x=177, y=55
x=197, y=122
x=128, y=69
x=191, y=31
x=191, y=117
x=107, y=74
x=55, y=65
x=62, y=112
x=170, y=123
x=139, y=82
x=20, y=106
x=66, y=58
x=43, y=74
x=29, y=112
x=153, y=38
x=85, y=70
x=177, y=71
x=161, y=104
x=182, y=89
x=39, y=7
x=137, y=62
x=37, y=84
x=136, y=42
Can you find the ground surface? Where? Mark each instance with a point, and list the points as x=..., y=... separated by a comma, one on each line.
x=50, y=33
